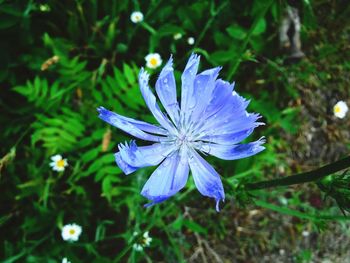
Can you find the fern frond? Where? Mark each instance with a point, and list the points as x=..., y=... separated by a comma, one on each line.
x=58, y=132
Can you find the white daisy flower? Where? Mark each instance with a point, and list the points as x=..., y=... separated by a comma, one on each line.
x=305, y=233
x=71, y=232
x=44, y=8
x=153, y=60
x=136, y=17
x=58, y=163
x=177, y=36
x=65, y=260
x=190, y=41
x=145, y=241
x=137, y=247
x=340, y=109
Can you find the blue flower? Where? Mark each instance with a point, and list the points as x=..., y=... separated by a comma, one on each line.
x=212, y=119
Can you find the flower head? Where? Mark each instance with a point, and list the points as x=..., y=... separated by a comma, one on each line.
x=136, y=17
x=190, y=41
x=65, y=260
x=71, y=232
x=212, y=119
x=58, y=163
x=44, y=8
x=340, y=109
x=144, y=241
x=153, y=60
x=177, y=36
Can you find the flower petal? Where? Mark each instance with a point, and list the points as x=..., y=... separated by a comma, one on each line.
x=225, y=110
x=151, y=102
x=166, y=90
x=188, y=100
x=133, y=127
x=204, y=85
x=233, y=124
x=221, y=96
x=207, y=180
x=230, y=118
x=233, y=152
x=145, y=155
x=126, y=168
x=227, y=138
x=169, y=178
x=56, y=157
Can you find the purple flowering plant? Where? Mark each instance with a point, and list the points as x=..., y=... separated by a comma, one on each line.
x=210, y=119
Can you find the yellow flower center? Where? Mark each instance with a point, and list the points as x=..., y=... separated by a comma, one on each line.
x=337, y=109
x=72, y=231
x=153, y=61
x=60, y=164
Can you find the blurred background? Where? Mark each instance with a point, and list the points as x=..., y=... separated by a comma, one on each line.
x=60, y=60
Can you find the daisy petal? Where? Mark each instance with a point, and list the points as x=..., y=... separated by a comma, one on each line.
x=56, y=157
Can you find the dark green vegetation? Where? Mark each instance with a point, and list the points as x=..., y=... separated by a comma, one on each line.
x=60, y=60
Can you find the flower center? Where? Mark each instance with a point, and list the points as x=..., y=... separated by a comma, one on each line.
x=71, y=231
x=183, y=139
x=337, y=109
x=60, y=164
x=153, y=61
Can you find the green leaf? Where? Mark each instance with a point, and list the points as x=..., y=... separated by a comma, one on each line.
x=129, y=74
x=236, y=32
x=169, y=29
x=260, y=27
x=194, y=226
x=291, y=212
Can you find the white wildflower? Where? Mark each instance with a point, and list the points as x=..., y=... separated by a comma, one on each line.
x=136, y=17
x=177, y=36
x=71, y=232
x=340, y=109
x=305, y=233
x=190, y=41
x=137, y=247
x=58, y=163
x=44, y=8
x=153, y=60
x=145, y=241
x=65, y=260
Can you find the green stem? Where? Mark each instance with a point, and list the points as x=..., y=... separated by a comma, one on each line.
x=148, y=28
x=305, y=177
x=209, y=22
x=237, y=60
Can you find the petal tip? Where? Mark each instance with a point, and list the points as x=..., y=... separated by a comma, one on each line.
x=101, y=109
x=143, y=75
x=127, y=169
x=217, y=205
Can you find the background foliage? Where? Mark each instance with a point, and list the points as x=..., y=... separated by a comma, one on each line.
x=60, y=60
